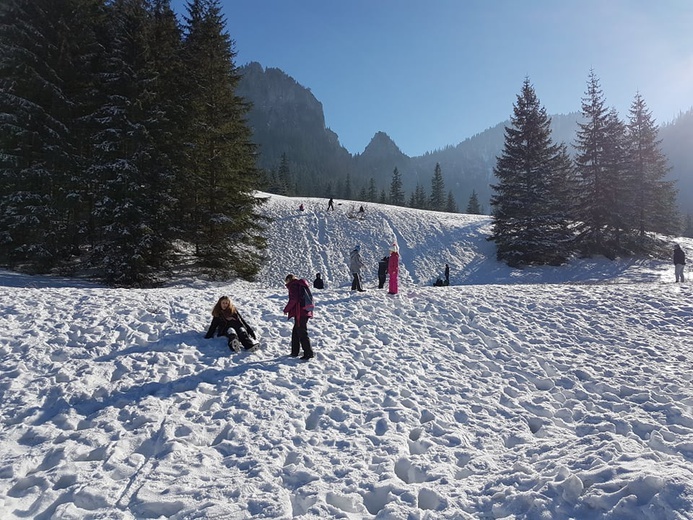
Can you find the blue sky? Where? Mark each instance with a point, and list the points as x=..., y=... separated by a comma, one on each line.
x=431, y=73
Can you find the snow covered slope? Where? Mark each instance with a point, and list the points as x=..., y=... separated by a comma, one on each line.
x=562, y=393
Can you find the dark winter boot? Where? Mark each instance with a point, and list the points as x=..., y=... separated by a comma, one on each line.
x=307, y=349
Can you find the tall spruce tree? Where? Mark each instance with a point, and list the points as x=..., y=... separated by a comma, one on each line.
x=396, y=191
x=451, y=205
x=438, y=200
x=372, y=191
x=528, y=226
x=166, y=49
x=134, y=202
x=473, y=207
x=599, y=170
x=225, y=224
x=616, y=188
x=419, y=199
x=653, y=197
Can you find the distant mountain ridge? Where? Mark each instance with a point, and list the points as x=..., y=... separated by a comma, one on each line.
x=286, y=118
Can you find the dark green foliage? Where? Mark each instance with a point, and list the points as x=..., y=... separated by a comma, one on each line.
x=223, y=224
x=396, y=192
x=372, y=193
x=451, y=205
x=418, y=198
x=652, y=197
x=622, y=191
x=529, y=227
x=134, y=204
x=120, y=138
x=473, y=207
x=601, y=166
x=438, y=200
x=46, y=51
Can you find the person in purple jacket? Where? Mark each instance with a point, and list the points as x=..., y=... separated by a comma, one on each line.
x=297, y=309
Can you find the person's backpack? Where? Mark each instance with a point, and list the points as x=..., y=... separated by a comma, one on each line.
x=306, y=298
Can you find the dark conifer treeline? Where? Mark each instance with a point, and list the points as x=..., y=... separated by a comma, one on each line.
x=122, y=143
x=547, y=207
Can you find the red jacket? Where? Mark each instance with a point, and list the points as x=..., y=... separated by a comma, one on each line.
x=293, y=308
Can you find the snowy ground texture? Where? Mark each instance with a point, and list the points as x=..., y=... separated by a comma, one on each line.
x=547, y=393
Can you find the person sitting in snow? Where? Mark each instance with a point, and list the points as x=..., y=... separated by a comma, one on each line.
x=227, y=321
x=318, y=283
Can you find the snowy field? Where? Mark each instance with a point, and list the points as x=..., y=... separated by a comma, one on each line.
x=544, y=393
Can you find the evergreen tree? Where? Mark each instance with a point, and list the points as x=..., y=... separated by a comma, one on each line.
x=473, y=207
x=688, y=226
x=227, y=228
x=166, y=51
x=653, y=197
x=616, y=187
x=347, y=187
x=599, y=170
x=372, y=191
x=420, y=201
x=527, y=228
x=383, y=196
x=47, y=49
x=451, y=205
x=437, y=200
x=283, y=177
x=134, y=201
x=396, y=192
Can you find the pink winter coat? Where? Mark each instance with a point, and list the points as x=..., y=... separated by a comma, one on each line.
x=293, y=308
x=393, y=271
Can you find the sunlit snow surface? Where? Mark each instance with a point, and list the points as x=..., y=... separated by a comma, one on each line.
x=543, y=393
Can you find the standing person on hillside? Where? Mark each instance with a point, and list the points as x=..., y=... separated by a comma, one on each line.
x=227, y=321
x=679, y=263
x=355, y=264
x=382, y=271
x=301, y=313
x=447, y=275
x=330, y=204
x=393, y=268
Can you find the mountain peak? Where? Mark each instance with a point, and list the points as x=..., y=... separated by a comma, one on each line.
x=382, y=146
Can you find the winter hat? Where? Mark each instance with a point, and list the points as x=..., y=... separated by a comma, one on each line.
x=394, y=248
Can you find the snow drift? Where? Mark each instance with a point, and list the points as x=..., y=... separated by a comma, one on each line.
x=536, y=393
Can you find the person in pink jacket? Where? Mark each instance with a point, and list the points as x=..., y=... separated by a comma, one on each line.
x=300, y=312
x=393, y=268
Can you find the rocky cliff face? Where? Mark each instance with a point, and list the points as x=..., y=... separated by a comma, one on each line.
x=286, y=118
